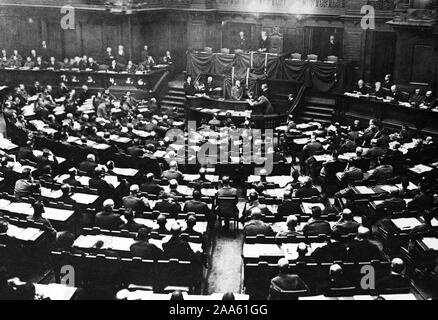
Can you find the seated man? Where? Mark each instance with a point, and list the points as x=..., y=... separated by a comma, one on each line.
x=150, y=186
x=107, y=219
x=393, y=204
x=143, y=249
x=285, y=281
x=396, y=280
x=254, y=203
x=66, y=195
x=346, y=225
x=316, y=225
x=167, y=205
x=134, y=203
x=256, y=226
x=337, y=280
x=173, y=172
x=25, y=186
x=38, y=210
x=197, y=206
x=130, y=224
x=89, y=164
x=307, y=190
x=302, y=251
x=173, y=188
x=226, y=191
x=161, y=225
x=191, y=223
x=291, y=223
x=176, y=247
x=71, y=180
x=288, y=206
x=362, y=249
x=360, y=88
x=382, y=172
x=335, y=250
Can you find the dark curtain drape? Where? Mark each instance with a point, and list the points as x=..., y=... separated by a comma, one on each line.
x=320, y=75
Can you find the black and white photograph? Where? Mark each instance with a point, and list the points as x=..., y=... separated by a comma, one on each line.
x=219, y=155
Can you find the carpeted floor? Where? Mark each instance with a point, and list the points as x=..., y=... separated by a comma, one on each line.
x=226, y=265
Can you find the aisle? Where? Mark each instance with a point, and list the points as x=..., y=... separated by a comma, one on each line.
x=226, y=271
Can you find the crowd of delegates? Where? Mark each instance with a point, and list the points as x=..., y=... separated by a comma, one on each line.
x=119, y=61
x=387, y=89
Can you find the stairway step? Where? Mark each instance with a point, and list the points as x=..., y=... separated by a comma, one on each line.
x=316, y=114
x=320, y=109
x=176, y=98
x=177, y=103
x=321, y=101
x=312, y=119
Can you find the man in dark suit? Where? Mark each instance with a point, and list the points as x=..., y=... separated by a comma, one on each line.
x=104, y=189
x=107, y=219
x=134, y=203
x=176, y=247
x=189, y=88
x=346, y=225
x=378, y=91
x=196, y=205
x=143, y=249
x=47, y=158
x=335, y=250
x=288, y=207
x=333, y=47
x=307, y=190
x=256, y=226
x=396, y=280
x=285, y=281
x=26, y=152
x=66, y=196
x=265, y=42
x=135, y=150
x=351, y=175
x=261, y=106
x=422, y=201
x=362, y=249
x=359, y=161
x=243, y=43
x=316, y=225
x=9, y=176
x=337, y=280
x=393, y=204
x=89, y=165
x=227, y=191
x=167, y=205
x=383, y=172
x=395, y=94
x=150, y=186
x=71, y=180
x=360, y=88
x=130, y=224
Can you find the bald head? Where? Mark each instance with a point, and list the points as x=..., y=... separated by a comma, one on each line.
x=176, y=229
x=335, y=270
x=397, y=266
x=363, y=233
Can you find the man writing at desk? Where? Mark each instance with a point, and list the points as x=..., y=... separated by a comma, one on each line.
x=237, y=91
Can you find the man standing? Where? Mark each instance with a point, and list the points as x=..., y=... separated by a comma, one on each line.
x=265, y=43
x=237, y=91
x=243, y=43
x=333, y=48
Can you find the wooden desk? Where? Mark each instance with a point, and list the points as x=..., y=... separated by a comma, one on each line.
x=201, y=226
x=120, y=243
x=24, y=234
x=25, y=209
x=149, y=295
x=390, y=114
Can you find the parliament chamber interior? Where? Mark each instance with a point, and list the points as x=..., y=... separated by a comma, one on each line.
x=219, y=150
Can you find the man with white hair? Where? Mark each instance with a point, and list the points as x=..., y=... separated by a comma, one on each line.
x=395, y=95
x=173, y=173
x=107, y=219
x=134, y=202
x=396, y=280
x=176, y=247
x=285, y=281
x=336, y=280
x=361, y=88
x=209, y=86
x=237, y=91
x=362, y=249
x=429, y=101
x=89, y=164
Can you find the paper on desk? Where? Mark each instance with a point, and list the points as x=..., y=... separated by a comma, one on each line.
x=431, y=243
x=364, y=190
x=127, y=172
x=406, y=223
x=421, y=168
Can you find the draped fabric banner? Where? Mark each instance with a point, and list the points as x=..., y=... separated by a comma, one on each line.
x=319, y=75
